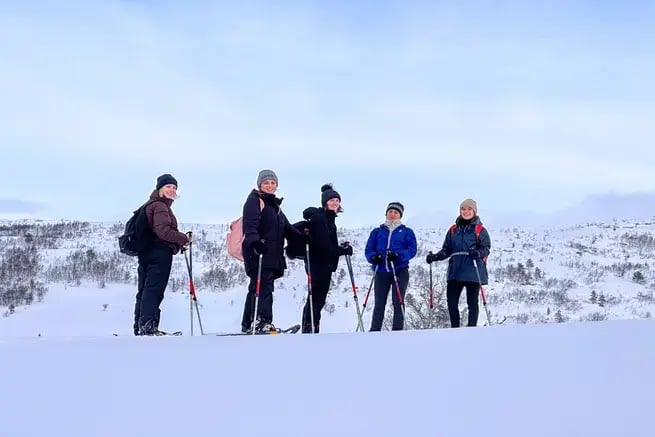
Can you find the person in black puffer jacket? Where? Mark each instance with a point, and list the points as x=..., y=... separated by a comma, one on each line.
x=324, y=253
x=264, y=227
x=463, y=241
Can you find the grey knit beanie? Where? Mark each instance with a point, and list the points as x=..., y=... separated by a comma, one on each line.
x=266, y=175
x=469, y=203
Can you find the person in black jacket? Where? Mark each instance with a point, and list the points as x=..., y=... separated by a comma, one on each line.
x=264, y=227
x=324, y=253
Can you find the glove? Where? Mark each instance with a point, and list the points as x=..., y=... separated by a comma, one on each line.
x=440, y=256
x=376, y=259
x=392, y=257
x=189, y=235
x=431, y=257
x=259, y=248
x=346, y=249
x=475, y=254
x=306, y=237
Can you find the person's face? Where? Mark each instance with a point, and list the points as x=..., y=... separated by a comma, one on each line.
x=169, y=191
x=333, y=204
x=392, y=215
x=268, y=186
x=467, y=212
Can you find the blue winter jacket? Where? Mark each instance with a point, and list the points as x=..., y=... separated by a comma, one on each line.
x=461, y=267
x=402, y=242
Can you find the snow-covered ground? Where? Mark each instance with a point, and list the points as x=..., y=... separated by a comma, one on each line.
x=88, y=310
x=591, y=379
x=65, y=374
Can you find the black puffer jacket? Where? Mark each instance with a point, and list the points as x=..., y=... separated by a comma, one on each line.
x=324, y=249
x=269, y=226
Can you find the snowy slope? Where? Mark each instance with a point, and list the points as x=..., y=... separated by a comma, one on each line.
x=578, y=379
x=66, y=374
x=586, y=272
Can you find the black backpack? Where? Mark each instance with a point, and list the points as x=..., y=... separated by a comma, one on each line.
x=138, y=234
x=296, y=248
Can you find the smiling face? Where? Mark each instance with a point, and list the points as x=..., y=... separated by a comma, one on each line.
x=467, y=212
x=333, y=204
x=168, y=191
x=269, y=186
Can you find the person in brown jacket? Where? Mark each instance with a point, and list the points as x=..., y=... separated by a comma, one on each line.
x=156, y=260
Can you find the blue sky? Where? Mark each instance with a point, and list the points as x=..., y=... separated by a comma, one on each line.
x=521, y=105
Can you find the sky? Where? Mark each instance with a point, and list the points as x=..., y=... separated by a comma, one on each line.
x=521, y=106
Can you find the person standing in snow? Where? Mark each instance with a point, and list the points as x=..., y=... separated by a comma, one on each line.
x=264, y=228
x=156, y=260
x=468, y=240
x=324, y=253
x=389, y=249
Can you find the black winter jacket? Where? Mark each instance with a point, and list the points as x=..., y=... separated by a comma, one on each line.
x=269, y=226
x=324, y=249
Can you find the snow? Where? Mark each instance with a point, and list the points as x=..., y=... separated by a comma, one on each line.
x=64, y=373
x=578, y=379
x=587, y=255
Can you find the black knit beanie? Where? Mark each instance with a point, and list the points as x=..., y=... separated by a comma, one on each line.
x=165, y=179
x=327, y=193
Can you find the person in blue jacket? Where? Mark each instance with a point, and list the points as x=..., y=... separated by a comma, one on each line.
x=466, y=241
x=389, y=249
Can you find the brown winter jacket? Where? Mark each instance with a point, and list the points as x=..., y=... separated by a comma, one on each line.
x=163, y=222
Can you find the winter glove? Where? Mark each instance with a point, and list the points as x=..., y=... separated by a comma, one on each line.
x=431, y=257
x=392, y=257
x=306, y=237
x=475, y=254
x=376, y=259
x=259, y=248
x=346, y=249
x=440, y=256
x=185, y=246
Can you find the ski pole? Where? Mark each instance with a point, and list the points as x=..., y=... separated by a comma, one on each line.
x=360, y=323
x=431, y=301
x=192, y=289
x=195, y=297
x=400, y=296
x=309, y=288
x=192, y=294
x=484, y=299
x=370, y=286
x=257, y=287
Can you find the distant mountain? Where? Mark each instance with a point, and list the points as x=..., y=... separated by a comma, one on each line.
x=598, y=208
x=609, y=207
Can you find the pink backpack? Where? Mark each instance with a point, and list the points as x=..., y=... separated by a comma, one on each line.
x=235, y=236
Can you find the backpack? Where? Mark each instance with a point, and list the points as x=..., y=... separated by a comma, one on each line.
x=478, y=230
x=138, y=234
x=295, y=248
x=235, y=236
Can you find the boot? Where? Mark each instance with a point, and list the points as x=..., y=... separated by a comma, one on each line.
x=265, y=327
x=149, y=328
